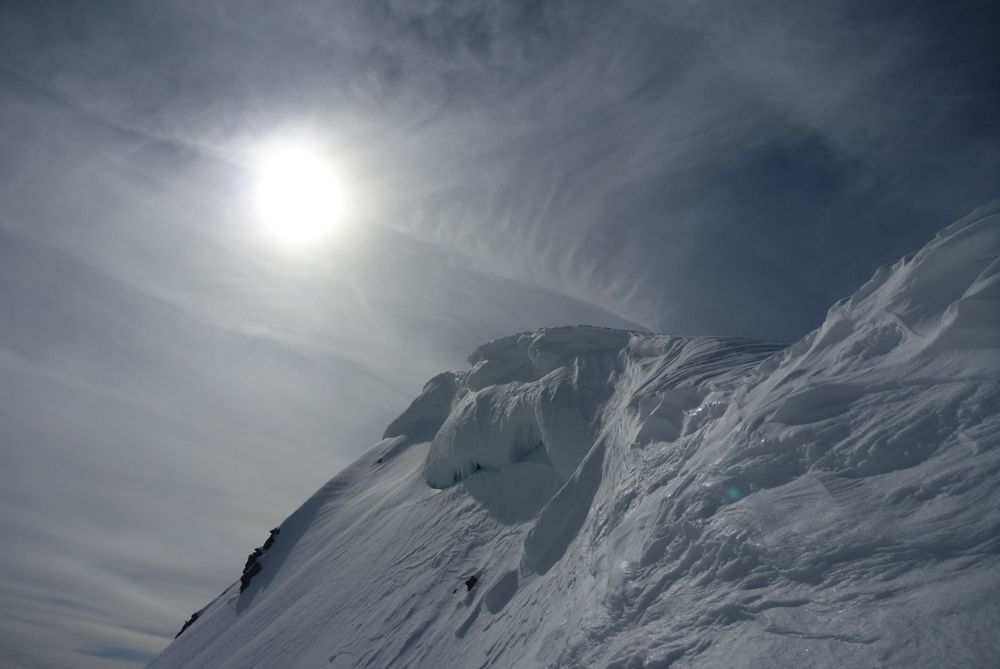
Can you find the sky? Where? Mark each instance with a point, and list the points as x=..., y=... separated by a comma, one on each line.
x=172, y=385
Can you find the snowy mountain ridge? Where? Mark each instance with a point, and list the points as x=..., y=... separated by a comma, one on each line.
x=633, y=500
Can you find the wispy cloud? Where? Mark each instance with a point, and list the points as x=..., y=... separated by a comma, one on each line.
x=170, y=388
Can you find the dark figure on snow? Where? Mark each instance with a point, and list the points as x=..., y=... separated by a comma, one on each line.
x=270, y=540
x=252, y=571
x=470, y=583
x=194, y=617
x=252, y=558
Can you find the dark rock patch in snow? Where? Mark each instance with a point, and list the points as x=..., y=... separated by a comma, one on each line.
x=187, y=623
x=253, y=566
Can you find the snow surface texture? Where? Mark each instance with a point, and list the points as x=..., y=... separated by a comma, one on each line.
x=632, y=500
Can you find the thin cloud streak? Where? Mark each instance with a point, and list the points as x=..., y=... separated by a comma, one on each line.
x=171, y=388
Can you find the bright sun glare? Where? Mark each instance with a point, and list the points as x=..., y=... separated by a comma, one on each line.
x=298, y=195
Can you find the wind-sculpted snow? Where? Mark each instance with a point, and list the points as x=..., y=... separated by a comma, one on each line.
x=634, y=500
x=541, y=404
x=426, y=414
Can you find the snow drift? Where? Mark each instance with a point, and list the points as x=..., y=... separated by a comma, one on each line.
x=634, y=500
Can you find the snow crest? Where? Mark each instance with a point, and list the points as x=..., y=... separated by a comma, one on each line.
x=635, y=500
x=533, y=398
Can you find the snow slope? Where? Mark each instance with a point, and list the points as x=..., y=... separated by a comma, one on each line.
x=634, y=500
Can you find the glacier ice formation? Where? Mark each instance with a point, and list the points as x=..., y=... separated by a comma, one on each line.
x=634, y=500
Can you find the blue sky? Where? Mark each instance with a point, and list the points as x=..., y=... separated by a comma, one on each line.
x=171, y=388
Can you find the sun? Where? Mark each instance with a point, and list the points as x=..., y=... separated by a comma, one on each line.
x=298, y=195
